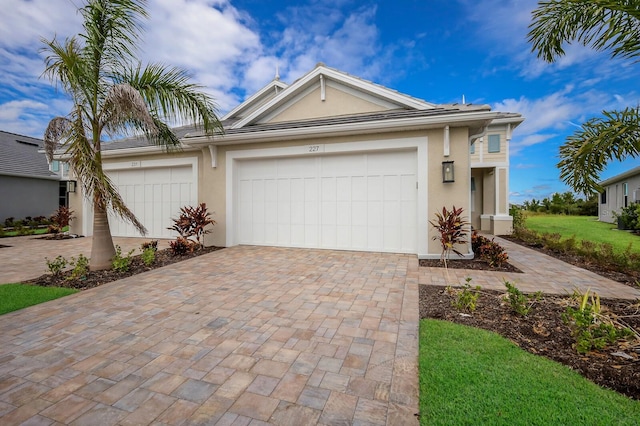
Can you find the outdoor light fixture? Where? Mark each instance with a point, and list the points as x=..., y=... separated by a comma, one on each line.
x=71, y=186
x=447, y=172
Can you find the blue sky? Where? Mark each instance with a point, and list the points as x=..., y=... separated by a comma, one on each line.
x=437, y=50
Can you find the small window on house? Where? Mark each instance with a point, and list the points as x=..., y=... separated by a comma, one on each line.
x=494, y=143
x=625, y=192
x=603, y=197
x=55, y=166
x=473, y=147
x=65, y=169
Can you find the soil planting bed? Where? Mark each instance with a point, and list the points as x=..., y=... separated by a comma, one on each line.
x=543, y=332
x=96, y=278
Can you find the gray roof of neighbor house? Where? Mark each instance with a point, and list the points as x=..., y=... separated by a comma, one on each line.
x=19, y=156
x=624, y=175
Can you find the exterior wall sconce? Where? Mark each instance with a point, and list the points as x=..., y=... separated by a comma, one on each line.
x=71, y=185
x=447, y=172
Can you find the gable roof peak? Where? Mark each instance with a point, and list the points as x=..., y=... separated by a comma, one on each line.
x=321, y=71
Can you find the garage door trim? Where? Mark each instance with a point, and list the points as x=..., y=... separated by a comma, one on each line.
x=417, y=143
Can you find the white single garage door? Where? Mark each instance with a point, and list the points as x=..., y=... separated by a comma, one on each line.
x=155, y=195
x=363, y=201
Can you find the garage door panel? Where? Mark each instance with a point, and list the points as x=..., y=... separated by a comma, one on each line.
x=332, y=201
x=155, y=195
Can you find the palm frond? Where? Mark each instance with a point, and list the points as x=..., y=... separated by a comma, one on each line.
x=59, y=128
x=585, y=154
x=112, y=29
x=172, y=98
x=124, y=104
x=602, y=25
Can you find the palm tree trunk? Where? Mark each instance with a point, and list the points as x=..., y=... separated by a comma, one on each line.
x=102, y=249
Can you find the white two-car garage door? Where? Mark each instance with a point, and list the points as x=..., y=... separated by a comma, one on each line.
x=361, y=201
x=155, y=195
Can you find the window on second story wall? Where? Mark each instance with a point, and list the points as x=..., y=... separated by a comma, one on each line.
x=55, y=166
x=494, y=143
x=473, y=147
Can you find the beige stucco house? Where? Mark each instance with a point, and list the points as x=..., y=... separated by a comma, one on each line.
x=330, y=161
x=619, y=191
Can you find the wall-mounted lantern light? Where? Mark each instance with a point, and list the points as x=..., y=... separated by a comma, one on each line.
x=71, y=186
x=447, y=172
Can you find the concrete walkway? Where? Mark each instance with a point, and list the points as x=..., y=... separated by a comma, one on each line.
x=540, y=273
x=244, y=335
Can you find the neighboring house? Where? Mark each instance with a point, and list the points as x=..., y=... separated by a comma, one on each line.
x=619, y=192
x=27, y=185
x=331, y=161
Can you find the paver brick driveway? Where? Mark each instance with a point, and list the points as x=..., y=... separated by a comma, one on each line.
x=244, y=335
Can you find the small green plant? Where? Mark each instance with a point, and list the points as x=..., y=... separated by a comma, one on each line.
x=148, y=256
x=121, y=263
x=466, y=298
x=590, y=326
x=80, y=267
x=452, y=231
x=520, y=303
x=56, y=265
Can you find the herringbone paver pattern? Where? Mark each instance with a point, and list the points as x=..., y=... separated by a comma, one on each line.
x=245, y=335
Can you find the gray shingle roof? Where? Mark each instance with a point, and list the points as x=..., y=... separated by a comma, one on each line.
x=19, y=156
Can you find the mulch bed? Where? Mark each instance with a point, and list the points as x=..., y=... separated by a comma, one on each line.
x=476, y=263
x=542, y=332
x=95, y=278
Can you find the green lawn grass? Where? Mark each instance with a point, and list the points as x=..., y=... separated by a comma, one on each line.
x=583, y=228
x=18, y=296
x=470, y=376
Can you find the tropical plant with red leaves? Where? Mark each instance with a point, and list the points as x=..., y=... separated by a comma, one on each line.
x=452, y=231
x=193, y=222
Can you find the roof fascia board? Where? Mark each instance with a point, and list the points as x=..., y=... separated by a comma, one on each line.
x=335, y=75
x=20, y=175
x=412, y=123
x=255, y=97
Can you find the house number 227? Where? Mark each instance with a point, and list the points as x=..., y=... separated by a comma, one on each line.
x=314, y=148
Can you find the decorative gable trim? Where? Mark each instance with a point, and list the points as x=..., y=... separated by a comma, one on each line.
x=313, y=78
x=254, y=101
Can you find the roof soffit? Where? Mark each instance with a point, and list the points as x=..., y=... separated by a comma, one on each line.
x=311, y=80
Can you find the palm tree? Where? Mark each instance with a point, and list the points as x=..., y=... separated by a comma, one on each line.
x=603, y=25
x=113, y=93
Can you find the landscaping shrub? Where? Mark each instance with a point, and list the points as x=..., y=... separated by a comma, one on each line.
x=121, y=263
x=452, y=230
x=80, y=267
x=590, y=325
x=629, y=217
x=465, y=299
x=59, y=219
x=488, y=250
x=182, y=246
x=193, y=222
x=520, y=303
x=56, y=265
